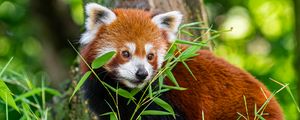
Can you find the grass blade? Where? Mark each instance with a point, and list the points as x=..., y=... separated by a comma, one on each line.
x=5, y=67
x=6, y=95
x=80, y=83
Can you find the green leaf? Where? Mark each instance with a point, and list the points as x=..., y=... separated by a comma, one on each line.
x=186, y=33
x=155, y=112
x=190, y=71
x=5, y=67
x=174, y=87
x=133, y=93
x=100, y=61
x=6, y=95
x=190, y=24
x=171, y=76
x=104, y=114
x=164, y=105
x=293, y=98
x=125, y=94
x=37, y=91
x=189, y=52
x=189, y=42
x=150, y=91
x=53, y=91
x=161, y=81
x=171, y=51
x=80, y=83
x=29, y=93
x=260, y=117
x=113, y=116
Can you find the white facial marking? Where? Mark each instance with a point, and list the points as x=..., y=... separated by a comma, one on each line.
x=160, y=56
x=88, y=37
x=148, y=48
x=131, y=47
x=126, y=72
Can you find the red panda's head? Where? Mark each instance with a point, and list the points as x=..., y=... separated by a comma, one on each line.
x=139, y=38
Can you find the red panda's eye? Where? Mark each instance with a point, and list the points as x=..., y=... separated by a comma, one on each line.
x=150, y=56
x=126, y=54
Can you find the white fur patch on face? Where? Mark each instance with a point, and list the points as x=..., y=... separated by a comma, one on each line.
x=148, y=48
x=132, y=85
x=131, y=47
x=126, y=72
x=105, y=50
x=169, y=21
x=160, y=56
x=88, y=36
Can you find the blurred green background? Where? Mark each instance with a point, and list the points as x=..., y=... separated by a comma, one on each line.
x=262, y=40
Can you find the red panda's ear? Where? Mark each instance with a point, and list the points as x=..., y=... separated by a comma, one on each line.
x=169, y=22
x=97, y=15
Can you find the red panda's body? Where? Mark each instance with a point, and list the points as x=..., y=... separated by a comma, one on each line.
x=141, y=40
x=219, y=90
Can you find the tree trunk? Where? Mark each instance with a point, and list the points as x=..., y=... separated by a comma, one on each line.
x=297, y=48
x=54, y=26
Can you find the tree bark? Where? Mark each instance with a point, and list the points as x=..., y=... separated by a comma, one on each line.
x=297, y=48
x=54, y=26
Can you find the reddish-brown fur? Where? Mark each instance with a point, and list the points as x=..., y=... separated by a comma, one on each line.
x=219, y=90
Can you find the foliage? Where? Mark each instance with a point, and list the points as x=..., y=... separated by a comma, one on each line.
x=29, y=98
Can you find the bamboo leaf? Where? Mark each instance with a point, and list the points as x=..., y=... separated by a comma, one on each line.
x=189, y=42
x=150, y=91
x=80, y=83
x=100, y=61
x=190, y=24
x=53, y=91
x=188, y=68
x=6, y=95
x=186, y=33
x=36, y=91
x=155, y=112
x=171, y=51
x=174, y=87
x=164, y=105
x=5, y=67
x=189, y=52
x=113, y=116
x=171, y=77
x=104, y=114
x=125, y=93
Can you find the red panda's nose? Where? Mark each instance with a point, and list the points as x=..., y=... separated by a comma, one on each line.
x=141, y=74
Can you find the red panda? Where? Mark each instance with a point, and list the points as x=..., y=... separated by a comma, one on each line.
x=141, y=40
